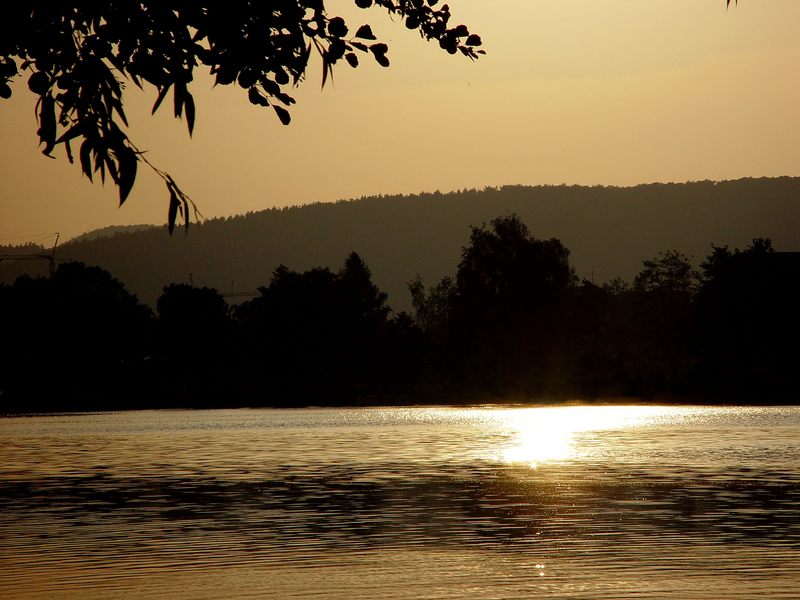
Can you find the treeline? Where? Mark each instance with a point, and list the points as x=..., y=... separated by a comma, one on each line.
x=513, y=322
x=401, y=236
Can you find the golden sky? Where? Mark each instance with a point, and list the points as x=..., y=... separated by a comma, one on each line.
x=571, y=91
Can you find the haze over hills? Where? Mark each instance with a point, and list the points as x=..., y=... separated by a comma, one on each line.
x=111, y=230
x=609, y=230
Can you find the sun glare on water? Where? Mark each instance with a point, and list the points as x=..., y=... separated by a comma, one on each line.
x=552, y=434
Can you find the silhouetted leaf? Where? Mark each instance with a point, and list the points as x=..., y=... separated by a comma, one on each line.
x=120, y=111
x=247, y=78
x=100, y=162
x=189, y=105
x=336, y=50
x=379, y=52
x=172, y=212
x=162, y=93
x=337, y=27
x=47, y=123
x=474, y=40
x=185, y=213
x=365, y=33
x=351, y=59
x=179, y=97
x=285, y=98
x=254, y=96
x=127, y=172
x=38, y=83
x=8, y=68
x=298, y=74
x=450, y=45
x=270, y=86
x=86, y=161
x=379, y=48
x=283, y=114
x=70, y=133
x=325, y=68
x=112, y=169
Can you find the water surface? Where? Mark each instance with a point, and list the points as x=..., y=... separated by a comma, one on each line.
x=561, y=502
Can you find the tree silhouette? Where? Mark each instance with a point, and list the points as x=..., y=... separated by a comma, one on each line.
x=70, y=336
x=80, y=55
x=509, y=303
x=194, y=350
x=748, y=321
x=432, y=307
x=316, y=332
x=504, y=266
x=193, y=322
x=363, y=302
x=670, y=272
x=663, y=315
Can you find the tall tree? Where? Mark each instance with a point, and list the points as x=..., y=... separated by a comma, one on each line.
x=317, y=331
x=193, y=322
x=510, y=297
x=663, y=314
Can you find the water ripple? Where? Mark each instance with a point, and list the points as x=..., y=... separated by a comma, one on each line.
x=642, y=502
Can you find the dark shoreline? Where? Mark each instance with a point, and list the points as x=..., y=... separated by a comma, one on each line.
x=474, y=401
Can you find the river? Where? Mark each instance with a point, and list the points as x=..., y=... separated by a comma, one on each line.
x=654, y=502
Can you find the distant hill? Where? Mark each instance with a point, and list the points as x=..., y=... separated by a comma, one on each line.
x=110, y=231
x=609, y=231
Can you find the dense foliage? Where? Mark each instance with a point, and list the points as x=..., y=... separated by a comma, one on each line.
x=514, y=322
x=78, y=57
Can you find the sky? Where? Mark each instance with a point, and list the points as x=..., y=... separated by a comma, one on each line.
x=609, y=92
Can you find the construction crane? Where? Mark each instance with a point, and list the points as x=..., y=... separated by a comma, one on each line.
x=50, y=257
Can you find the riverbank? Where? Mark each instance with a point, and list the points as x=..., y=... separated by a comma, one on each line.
x=97, y=403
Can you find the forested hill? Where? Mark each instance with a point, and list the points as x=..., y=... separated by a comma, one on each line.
x=609, y=231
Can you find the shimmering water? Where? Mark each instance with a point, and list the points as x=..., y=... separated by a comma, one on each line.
x=567, y=502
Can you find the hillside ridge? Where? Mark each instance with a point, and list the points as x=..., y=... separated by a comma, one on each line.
x=609, y=231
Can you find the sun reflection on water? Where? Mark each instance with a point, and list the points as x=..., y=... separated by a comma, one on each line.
x=553, y=434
